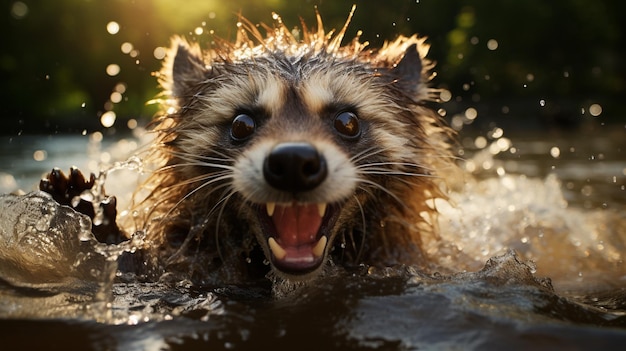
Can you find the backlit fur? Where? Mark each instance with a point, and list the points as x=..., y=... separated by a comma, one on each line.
x=198, y=206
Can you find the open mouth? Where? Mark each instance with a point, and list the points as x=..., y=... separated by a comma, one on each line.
x=297, y=234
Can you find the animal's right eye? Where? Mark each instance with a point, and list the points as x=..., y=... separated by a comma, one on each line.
x=347, y=124
x=243, y=127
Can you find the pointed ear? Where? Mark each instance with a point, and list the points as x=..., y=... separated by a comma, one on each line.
x=408, y=72
x=183, y=69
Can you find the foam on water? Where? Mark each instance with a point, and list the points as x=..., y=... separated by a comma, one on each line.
x=572, y=246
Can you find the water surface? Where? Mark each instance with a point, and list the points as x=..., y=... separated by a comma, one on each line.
x=531, y=255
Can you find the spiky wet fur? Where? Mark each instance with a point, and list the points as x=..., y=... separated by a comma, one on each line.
x=192, y=206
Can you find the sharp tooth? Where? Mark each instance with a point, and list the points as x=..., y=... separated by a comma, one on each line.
x=270, y=207
x=321, y=208
x=318, y=250
x=276, y=249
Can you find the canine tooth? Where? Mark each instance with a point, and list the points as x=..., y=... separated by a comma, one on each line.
x=321, y=208
x=318, y=250
x=270, y=207
x=276, y=249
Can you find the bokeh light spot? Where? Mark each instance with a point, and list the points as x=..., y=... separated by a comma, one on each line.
x=595, y=110
x=108, y=119
x=19, y=10
x=113, y=69
x=113, y=27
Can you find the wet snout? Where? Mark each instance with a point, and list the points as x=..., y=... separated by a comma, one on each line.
x=294, y=167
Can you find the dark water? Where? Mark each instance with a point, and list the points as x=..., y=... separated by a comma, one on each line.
x=531, y=256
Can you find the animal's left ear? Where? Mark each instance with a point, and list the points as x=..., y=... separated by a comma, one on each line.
x=183, y=69
x=408, y=72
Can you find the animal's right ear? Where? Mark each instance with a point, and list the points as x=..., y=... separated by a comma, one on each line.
x=183, y=69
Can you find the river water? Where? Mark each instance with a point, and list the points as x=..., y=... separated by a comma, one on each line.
x=531, y=255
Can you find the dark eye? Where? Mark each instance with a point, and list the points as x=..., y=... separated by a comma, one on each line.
x=242, y=128
x=347, y=123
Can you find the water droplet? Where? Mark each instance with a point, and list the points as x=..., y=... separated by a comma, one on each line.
x=40, y=155
x=108, y=119
x=445, y=95
x=555, y=152
x=595, y=110
x=19, y=10
x=542, y=103
x=113, y=69
x=132, y=123
x=492, y=44
x=159, y=53
x=115, y=97
x=471, y=113
x=126, y=47
x=480, y=142
x=113, y=27
x=586, y=190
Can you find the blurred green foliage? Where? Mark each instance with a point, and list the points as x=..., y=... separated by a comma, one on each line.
x=504, y=56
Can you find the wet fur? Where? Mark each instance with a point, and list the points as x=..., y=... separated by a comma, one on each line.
x=197, y=206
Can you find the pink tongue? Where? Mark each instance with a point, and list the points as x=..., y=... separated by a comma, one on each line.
x=296, y=225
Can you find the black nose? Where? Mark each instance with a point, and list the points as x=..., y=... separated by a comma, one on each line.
x=294, y=167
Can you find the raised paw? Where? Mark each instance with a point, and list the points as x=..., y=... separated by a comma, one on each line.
x=66, y=190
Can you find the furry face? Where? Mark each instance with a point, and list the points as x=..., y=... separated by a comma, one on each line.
x=319, y=151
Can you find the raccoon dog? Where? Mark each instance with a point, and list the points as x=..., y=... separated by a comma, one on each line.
x=288, y=152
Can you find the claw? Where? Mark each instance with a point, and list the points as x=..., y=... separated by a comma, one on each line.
x=64, y=189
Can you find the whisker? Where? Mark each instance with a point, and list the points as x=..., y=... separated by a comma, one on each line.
x=402, y=164
x=223, y=201
x=365, y=153
x=196, y=190
x=223, y=157
x=382, y=171
x=364, y=234
x=198, y=164
x=213, y=177
x=382, y=188
x=198, y=158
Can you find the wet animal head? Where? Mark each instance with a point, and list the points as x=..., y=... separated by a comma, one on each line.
x=300, y=141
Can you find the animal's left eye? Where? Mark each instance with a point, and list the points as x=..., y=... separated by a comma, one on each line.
x=347, y=124
x=242, y=127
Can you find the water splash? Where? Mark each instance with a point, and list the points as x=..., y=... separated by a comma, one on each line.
x=97, y=196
